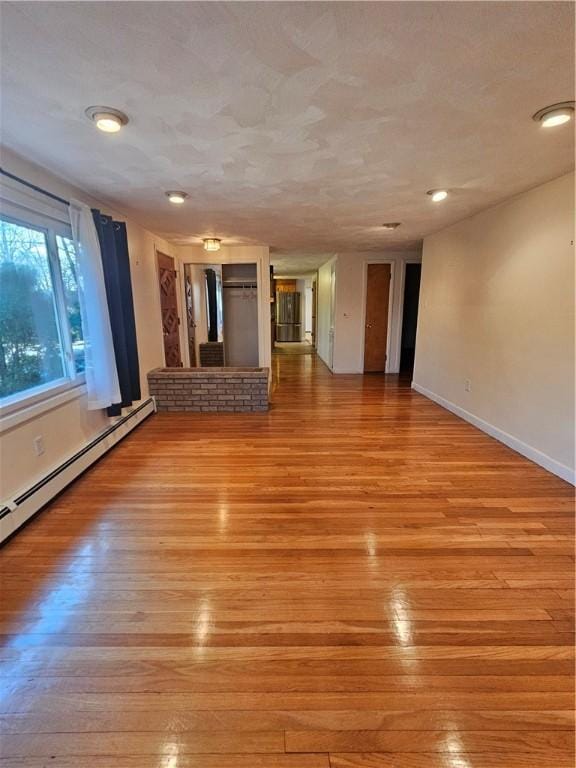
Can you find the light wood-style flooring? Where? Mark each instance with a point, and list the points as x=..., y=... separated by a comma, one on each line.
x=356, y=579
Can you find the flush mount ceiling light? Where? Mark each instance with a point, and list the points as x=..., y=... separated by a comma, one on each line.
x=438, y=195
x=176, y=197
x=391, y=225
x=555, y=114
x=107, y=119
x=211, y=244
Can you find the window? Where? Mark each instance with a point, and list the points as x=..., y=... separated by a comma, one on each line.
x=67, y=259
x=41, y=345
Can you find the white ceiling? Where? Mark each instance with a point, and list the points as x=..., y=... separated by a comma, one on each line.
x=299, y=125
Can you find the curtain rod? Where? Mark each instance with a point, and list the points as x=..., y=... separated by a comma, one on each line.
x=34, y=187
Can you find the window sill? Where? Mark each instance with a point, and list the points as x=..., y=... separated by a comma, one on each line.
x=29, y=408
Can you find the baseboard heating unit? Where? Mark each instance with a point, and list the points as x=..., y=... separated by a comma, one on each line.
x=15, y=512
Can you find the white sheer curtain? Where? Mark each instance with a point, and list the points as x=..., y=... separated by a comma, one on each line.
x=101, y=374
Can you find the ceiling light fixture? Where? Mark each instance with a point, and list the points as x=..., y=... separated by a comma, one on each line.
x=555, y=114
x=176, y=197
x=211, y=244
x=391, y=225
x=107, y=119
x=438, y=195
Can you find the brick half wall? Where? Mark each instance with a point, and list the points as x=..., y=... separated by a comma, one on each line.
x=209, y=389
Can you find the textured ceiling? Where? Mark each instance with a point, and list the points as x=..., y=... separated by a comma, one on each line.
x=299, y=125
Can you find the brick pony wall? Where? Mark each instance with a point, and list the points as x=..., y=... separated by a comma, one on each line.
x=209, y=389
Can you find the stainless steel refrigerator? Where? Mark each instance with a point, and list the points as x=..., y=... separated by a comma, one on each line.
x=288, y=324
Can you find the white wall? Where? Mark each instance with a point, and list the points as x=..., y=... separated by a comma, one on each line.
x=324, y=310
x=142, y=246
x=308, y=306
x=241, y=254
x=351, y=274
x=301, y=289
x=69, y=426
x=497, y=308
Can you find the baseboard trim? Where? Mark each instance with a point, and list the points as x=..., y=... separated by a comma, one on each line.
x=542, y=459
x=346, y=371
x=15, y=512
x=326, y=363
x=360, y=372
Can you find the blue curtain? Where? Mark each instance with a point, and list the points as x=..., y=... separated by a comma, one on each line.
x=116, y=265
x=212, y=304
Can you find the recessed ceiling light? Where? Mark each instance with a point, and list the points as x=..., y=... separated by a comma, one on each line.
x=438, y=195
x=176, y=197
x=555, y=114
x=211, y=244
x=391, y=225
x=107, y=119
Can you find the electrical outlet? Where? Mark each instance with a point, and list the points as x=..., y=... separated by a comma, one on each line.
x=467, y=385
x=38, y=444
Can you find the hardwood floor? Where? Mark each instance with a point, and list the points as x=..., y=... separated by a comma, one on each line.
x=357, y=579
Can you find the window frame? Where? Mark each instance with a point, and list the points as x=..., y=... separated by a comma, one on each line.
x=71, y=380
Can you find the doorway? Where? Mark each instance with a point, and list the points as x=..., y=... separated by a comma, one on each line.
x=169, y=310
x=376, y=322
x=410, y=317
x=240, y=308
x=294, y=310
x=222, y=304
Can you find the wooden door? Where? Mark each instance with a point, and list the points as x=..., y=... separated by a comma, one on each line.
x=169, y=310
x=376, y=331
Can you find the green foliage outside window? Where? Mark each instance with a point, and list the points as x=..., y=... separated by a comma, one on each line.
x=33, y=341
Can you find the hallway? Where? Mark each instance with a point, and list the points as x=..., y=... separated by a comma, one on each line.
x=356, y=579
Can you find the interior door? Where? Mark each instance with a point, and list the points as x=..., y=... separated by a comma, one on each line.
x=376, y=330
x=169, y=310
